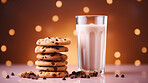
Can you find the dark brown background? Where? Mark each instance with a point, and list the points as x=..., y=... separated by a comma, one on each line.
x=23, y=15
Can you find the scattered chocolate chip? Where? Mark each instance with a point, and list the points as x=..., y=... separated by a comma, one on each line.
x=7, y=76
x=53, y=63
x=70, y=74
x=91, y=74
x=71, y=77
x=44, y=78
x=87, y=76
x=28, y=77
x=57, y=43
x=54, y=75
x=55, y=68
x=43, y=51
x=64, y=78
x=73, y=72
x=122, y=76
x=12, y=74
x=117, y=75
x=56, y=39
x=61, y=57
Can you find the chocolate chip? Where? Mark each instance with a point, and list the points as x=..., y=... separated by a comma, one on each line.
x=48, y=37
x=57, y=48
x=64, y=78
x=84, y=76
x=44, y=78
x=122, y=76
x=54, y=75
x=12, y=74
x=87, y=76
x=52, y=55
x=45, y=57
x=53, y=63
x=43, y=51
x=75, y=76
x=57, y=43
x=55, y=68
x=59, y=74
x=41, y=72
x=71, y=77
x=91, y=74
x=42, y=57
x=61, y=57
x=81, y=76
x=117, y=75
x=52, y=41
x=56, y=39
x=73, y=72
x=64, y=39
x=65, y=72
x=7, y=76
x=60, y=54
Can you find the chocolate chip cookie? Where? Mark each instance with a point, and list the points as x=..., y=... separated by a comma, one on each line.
x=50, y=63
x=51, y=68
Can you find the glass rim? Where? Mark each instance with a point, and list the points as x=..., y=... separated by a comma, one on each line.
x=92, y=15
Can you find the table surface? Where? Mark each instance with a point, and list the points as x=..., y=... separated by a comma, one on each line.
x=132, y=74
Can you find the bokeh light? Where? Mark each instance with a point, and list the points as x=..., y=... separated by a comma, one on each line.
x=109, y=1
x=4, y=74
x=58, y=4
x=139, y=0
x=117, y=54
x=38, y=28
x=143, y=49
x=137, y=62
x=85, y=9
x=117, y=62
x=74, y=32
x=137, y=31
x=30, y=63
x=3, y=48
x=55, y=18
x=8, y=63
x=3, y=1
x=11, y=32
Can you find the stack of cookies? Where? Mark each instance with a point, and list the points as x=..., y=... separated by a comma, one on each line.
x=51, y=63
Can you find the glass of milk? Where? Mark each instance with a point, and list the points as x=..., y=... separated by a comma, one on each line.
x=91, y=42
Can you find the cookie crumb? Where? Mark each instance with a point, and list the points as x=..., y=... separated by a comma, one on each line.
x=12, y=74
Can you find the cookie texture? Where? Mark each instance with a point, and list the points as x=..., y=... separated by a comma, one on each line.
x=49, y=74
x=49, y=68
x=53, y=41
x=52, y=56
x=50, y=49
x=50, y=63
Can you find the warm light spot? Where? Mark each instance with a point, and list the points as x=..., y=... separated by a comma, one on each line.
x=38, y=28
x=55, y=18
x=8, y=63
x=74, y=32
x=109, y=1
x=117, y=54
x=137, y=62
x=3, y=1
x=86, y=9
x=3, y=48
x=11, y=32
x=137, y=31
x=117, y=62
x=30, y=63
x=117, y=72
x=139, y=0
x=4, y=74
x=143, y=49
x=143, y=74
x=59, y=4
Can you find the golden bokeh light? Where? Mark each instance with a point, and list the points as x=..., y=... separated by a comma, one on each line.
x=58, y=4
x=3, y=48
x=117, y=62
x=109, y=1
x=137, y=31
x=38, y=28
x=55, y=18
x=143, y=49
x=8, y=63
x=11, y=32
x=3, y=1
x=4, y=74
x=117, y=54
x=139, y=0
x=74, y=32
x=85, y=9
x=30, y=63
x=137, y=62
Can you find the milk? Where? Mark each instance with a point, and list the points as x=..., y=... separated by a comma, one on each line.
x=91, y=44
